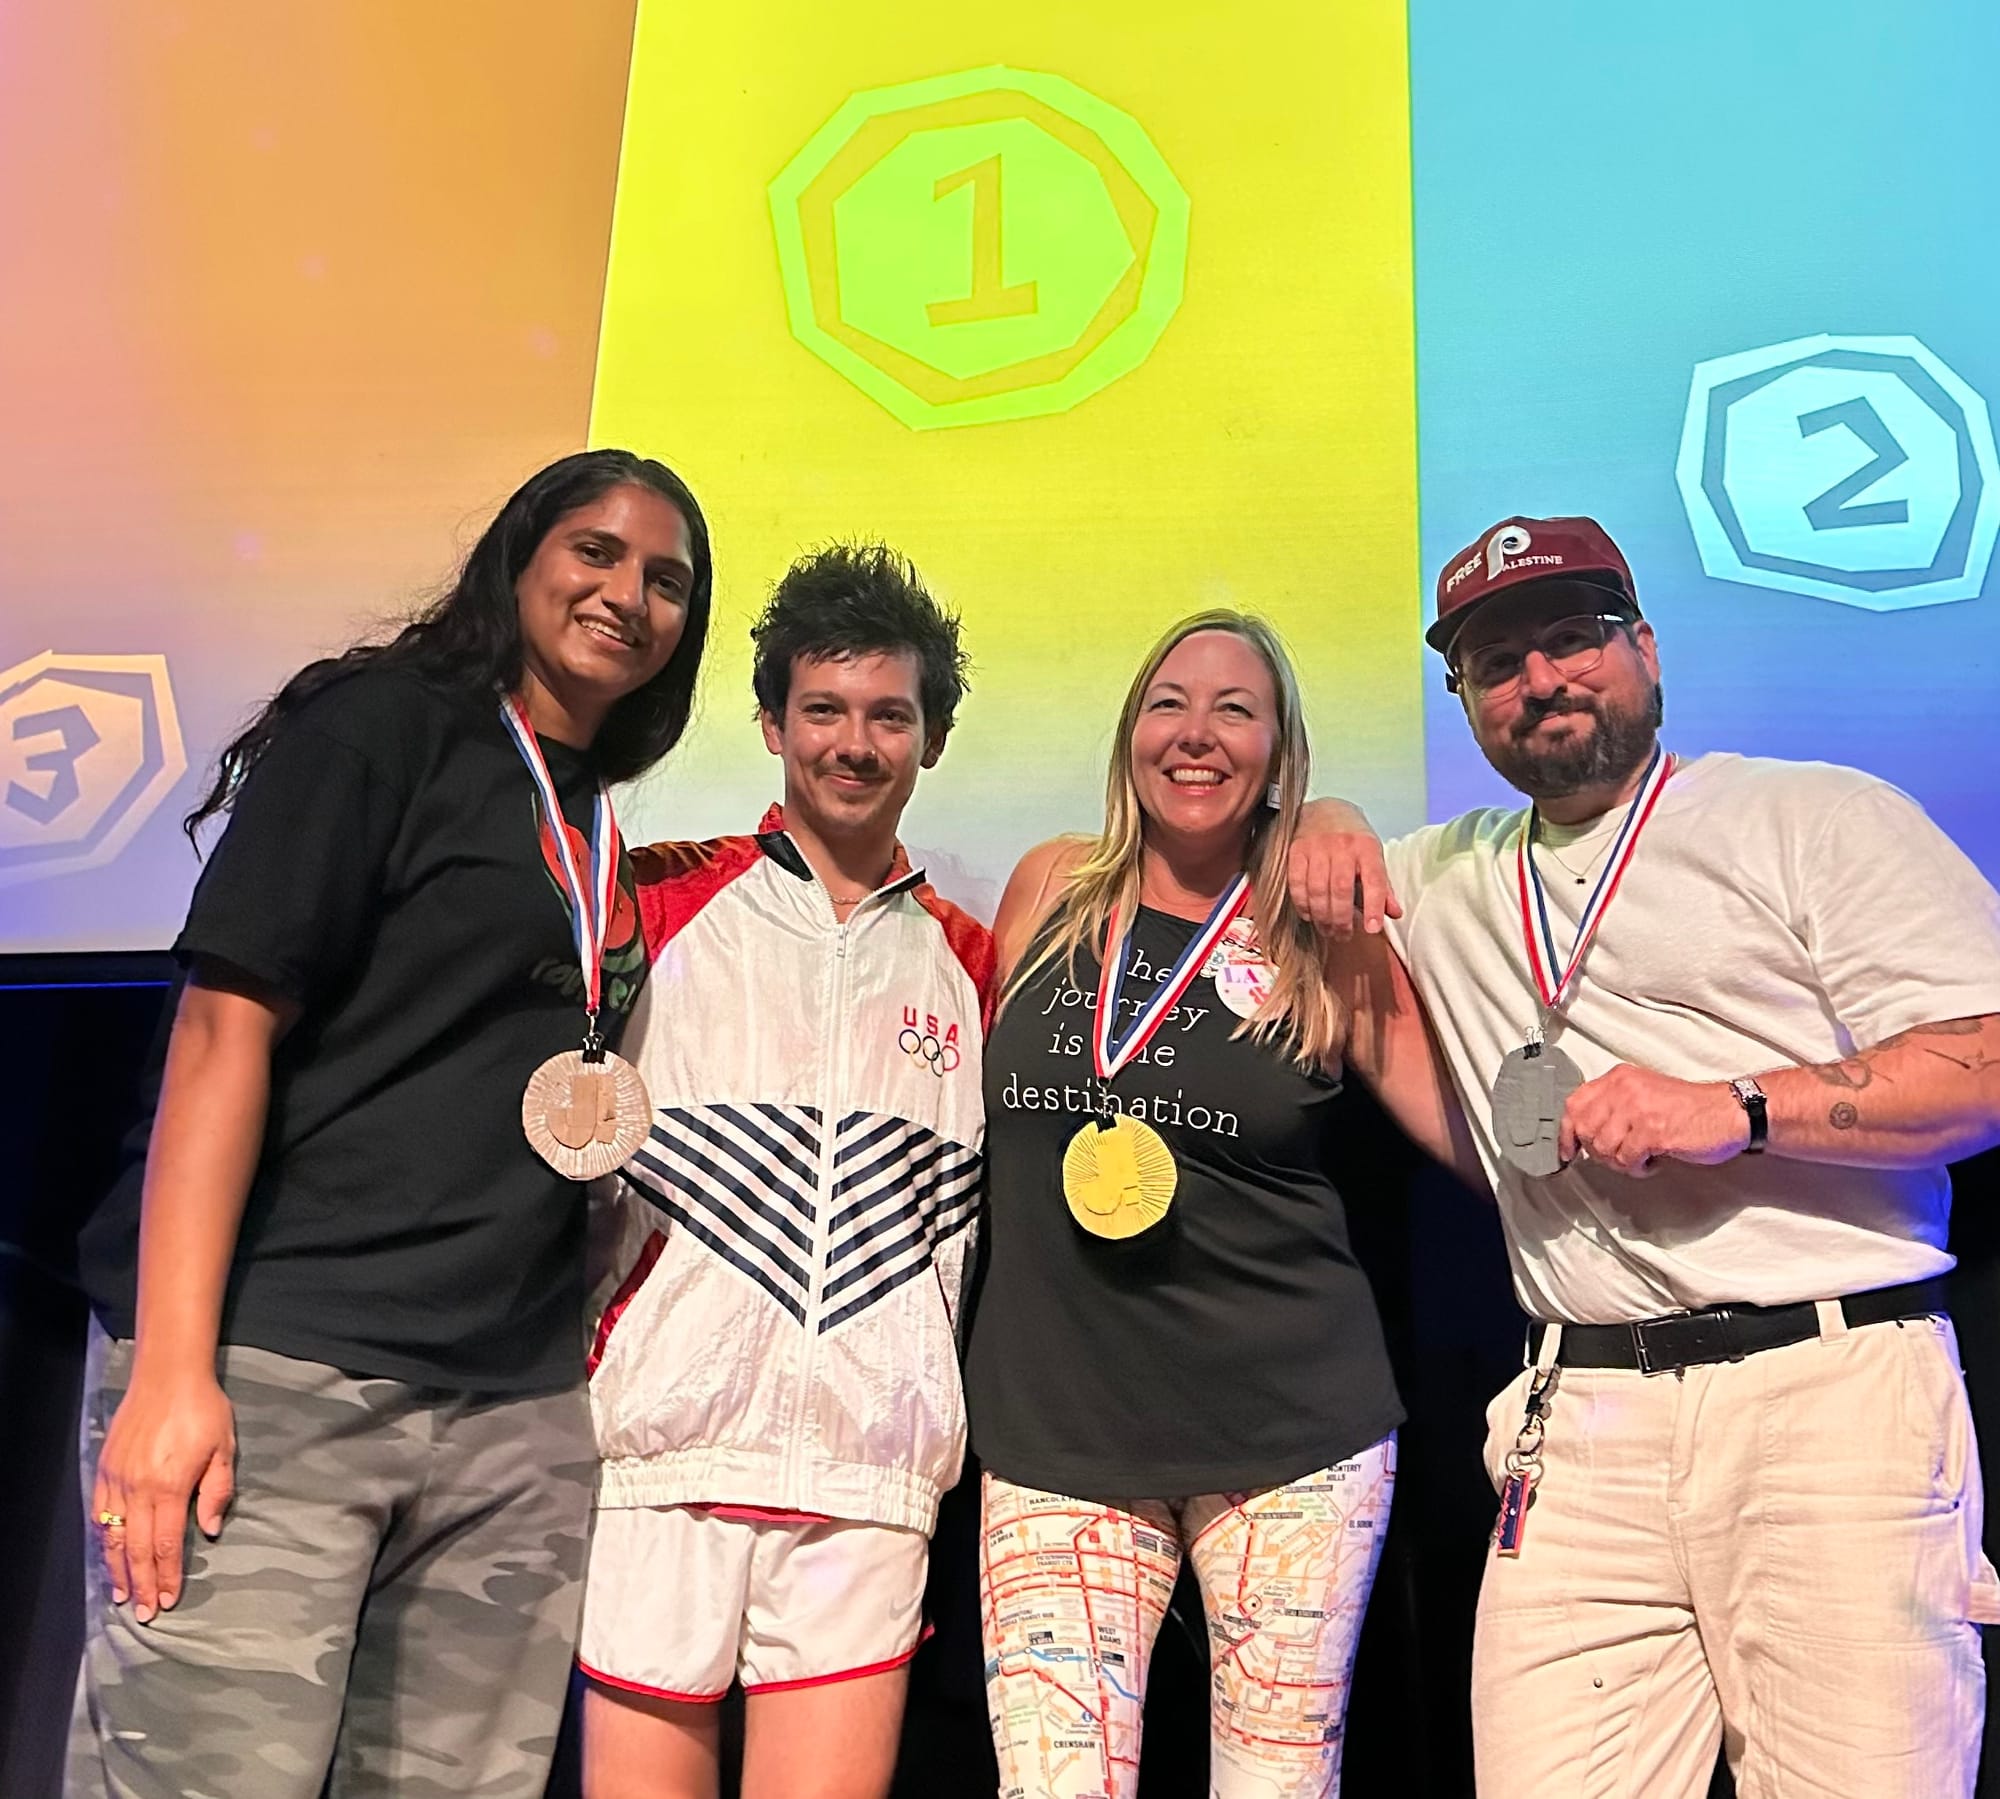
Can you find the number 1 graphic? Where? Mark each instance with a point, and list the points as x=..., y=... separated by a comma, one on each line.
x=990, y=297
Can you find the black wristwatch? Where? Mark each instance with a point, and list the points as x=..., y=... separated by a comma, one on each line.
x=1750, y=1097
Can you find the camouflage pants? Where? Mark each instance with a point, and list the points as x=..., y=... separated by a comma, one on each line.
x=389, y=1609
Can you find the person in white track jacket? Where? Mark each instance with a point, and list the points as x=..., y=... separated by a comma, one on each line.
x=774, y=1375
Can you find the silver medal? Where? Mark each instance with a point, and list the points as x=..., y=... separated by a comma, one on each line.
x=1529, y=1093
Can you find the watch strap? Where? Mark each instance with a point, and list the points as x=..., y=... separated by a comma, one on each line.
x=1750, y=1097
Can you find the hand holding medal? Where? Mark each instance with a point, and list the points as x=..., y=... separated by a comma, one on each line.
x=1534, y=1082
x=1632, y=1119
x=1119, y=1178
x=586, y=1110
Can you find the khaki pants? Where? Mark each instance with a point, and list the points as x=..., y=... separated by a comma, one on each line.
x=1780, y=1555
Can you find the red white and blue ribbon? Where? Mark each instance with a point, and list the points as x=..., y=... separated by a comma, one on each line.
x=1554, y=977
x=592, y=892
x=1108, y=1051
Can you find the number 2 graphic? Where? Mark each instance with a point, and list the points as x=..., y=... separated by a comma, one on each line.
x=1830, y=511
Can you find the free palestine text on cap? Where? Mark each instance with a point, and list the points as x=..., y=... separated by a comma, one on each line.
x=1527, y=549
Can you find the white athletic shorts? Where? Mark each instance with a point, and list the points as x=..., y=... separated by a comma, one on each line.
x=681, y=1600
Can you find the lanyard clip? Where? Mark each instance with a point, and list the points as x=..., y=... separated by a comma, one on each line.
x=1526, y=1455
x=593, y=1039
x=1523, y=1464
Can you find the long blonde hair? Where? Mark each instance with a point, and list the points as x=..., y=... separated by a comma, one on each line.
x=1301, y=1014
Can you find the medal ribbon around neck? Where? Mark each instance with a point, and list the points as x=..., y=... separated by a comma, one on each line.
x=1555, y=978
x=1108, y=1052
x=585, y=1111
x=591, y=899
x=1119, y=1178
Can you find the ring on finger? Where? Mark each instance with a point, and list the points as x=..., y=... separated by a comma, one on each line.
x=111, y=1520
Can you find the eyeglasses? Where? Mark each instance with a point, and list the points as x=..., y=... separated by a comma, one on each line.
x=1572, y=646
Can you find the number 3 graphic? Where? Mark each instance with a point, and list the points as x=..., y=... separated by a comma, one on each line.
x=78, y=740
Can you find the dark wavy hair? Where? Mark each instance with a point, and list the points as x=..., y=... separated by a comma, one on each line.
x=469, y=639
x=859, y=599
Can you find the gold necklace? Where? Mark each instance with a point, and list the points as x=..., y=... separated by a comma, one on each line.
x=1569, y=868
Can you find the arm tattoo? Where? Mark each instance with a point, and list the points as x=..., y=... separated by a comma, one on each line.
x=1973, y=1061
x=1856, y=1072
x=1852, y=1073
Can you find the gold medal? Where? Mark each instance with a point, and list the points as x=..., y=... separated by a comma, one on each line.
x=1119, y=1178
x=586, y=1118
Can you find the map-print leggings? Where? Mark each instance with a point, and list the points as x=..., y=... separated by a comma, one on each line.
x=1073, y=1593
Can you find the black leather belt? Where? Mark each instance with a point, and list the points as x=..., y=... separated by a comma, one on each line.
x=1726, y=1333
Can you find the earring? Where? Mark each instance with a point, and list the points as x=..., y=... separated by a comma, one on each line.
x=1274, y=796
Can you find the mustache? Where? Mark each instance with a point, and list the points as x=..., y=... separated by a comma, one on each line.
x=1557, y=705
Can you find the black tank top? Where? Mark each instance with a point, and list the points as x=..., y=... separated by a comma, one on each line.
x=1233, y=1345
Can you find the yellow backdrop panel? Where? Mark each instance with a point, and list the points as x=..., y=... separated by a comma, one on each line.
x=1100, y=317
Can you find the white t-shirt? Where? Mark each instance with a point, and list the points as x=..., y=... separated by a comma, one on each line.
x=1775, y=914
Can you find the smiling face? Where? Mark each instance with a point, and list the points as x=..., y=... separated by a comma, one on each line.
x=853, y=739
x=603, y=602
x=1550, y=734
x=1205, y=742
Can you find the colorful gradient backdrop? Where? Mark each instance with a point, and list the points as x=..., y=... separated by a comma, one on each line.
x=295, y=296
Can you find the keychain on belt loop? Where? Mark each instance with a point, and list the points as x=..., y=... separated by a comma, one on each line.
x=1524, y=1464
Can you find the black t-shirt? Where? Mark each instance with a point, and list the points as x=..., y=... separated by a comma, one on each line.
x=388, y=867
x=1235, y=1344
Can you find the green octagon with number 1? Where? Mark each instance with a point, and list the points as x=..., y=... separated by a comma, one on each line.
x=995, y=244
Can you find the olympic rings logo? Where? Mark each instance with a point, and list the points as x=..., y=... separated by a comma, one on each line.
x=925, y=1049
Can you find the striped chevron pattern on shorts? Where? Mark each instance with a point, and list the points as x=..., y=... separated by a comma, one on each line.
x=743, y=1180
x=899, y=1190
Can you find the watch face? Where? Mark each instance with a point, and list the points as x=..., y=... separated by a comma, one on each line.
x=1751, y=1097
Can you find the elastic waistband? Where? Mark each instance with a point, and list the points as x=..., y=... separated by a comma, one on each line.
x=1725, y=1333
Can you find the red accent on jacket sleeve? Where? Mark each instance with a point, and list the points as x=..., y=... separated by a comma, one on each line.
x=675, y=880
x=630, y=1285
x=971, y=942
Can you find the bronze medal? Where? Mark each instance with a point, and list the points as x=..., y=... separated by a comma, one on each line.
x=586, y=1111
x=586, y=1118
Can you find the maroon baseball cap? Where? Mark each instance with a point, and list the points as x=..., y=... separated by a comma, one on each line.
x=1518, y=550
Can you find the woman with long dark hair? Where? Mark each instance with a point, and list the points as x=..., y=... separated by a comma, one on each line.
x=341, y=1300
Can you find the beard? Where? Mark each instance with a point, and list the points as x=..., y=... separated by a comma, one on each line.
x=1604, y=757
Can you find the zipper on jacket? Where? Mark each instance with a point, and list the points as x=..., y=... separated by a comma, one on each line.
x=831, y=1093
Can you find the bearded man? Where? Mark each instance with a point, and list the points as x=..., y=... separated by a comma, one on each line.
x=1719, y=1025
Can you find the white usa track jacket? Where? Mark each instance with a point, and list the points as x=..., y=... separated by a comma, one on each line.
x=786, y=1252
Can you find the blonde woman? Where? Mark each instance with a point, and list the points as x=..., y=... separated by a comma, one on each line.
x=1175, y=1352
